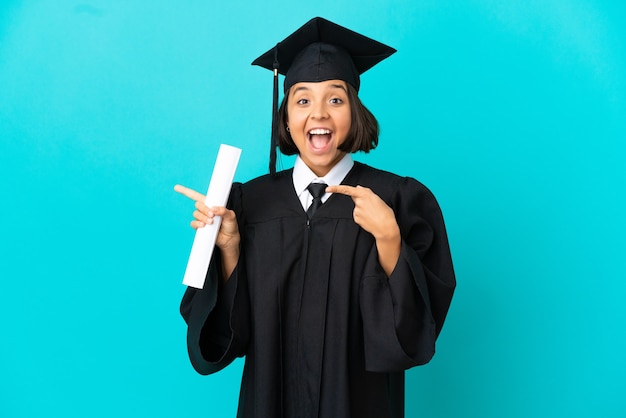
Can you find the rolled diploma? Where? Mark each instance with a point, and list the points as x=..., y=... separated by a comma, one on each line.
x=217, y=195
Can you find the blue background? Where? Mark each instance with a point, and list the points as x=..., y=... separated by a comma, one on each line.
x=513, y=113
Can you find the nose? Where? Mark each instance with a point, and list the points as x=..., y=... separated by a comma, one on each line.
x=319, y=111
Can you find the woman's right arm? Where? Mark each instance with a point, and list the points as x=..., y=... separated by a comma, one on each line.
x=217, y=315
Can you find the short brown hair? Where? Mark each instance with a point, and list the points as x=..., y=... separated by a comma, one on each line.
x=362, y=136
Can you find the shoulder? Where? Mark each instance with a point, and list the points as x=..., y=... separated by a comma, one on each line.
x=389, y=185
x=270, y=179
x=265, y=197
x=262, y=184
x=414, y=205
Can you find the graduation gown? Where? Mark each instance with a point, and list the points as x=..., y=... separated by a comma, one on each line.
x=325, y=333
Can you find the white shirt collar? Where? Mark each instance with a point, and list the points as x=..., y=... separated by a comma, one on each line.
x=303, y=176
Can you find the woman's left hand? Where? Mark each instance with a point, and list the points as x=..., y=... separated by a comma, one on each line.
x=370, y=211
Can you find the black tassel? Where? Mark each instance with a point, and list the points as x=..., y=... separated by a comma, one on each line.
x=274, y=139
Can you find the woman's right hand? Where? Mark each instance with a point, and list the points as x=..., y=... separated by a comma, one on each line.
x=228, y=237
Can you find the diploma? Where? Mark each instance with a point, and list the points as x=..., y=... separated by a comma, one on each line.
x=217, y=195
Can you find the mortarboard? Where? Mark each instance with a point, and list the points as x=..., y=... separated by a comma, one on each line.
x=319, y=50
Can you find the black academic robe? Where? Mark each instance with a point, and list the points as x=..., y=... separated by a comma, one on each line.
x=324, y=331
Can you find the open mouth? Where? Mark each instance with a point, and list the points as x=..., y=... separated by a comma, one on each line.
x=319, y=138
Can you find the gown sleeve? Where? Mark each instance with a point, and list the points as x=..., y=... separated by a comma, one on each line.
x=217, y=316
x=403, y=314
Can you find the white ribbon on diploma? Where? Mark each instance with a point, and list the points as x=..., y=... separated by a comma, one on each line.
x=217, y=195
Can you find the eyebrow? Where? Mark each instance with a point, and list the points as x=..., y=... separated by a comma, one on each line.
x=336, y=86
x=339, y=86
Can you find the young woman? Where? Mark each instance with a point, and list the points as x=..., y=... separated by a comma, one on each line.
x=332, y=277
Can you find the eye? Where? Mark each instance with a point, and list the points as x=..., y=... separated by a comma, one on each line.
x=303, y=101
x=336, y=100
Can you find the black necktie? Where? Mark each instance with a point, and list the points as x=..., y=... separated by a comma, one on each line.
x=317, y=191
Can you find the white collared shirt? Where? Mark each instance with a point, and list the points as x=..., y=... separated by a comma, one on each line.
x=303, y=176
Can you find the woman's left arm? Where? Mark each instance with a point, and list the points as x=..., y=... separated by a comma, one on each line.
x=409, y=279
x=376, y=217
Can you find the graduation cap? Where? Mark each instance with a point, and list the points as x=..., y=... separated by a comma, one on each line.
x=319, y=50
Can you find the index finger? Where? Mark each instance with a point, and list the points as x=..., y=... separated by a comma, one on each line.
x=190, y=193
x=343, y=189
